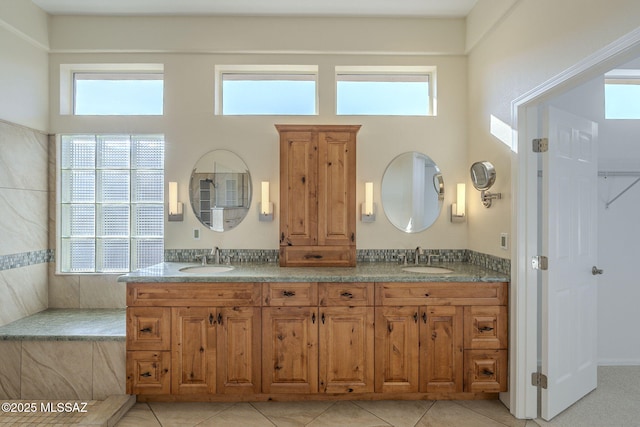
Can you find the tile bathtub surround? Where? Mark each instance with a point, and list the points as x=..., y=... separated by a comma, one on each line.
x=25, y=259
x=23, y=291
x=64, y=354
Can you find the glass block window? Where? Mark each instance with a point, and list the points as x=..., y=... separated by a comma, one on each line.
x=111, y=202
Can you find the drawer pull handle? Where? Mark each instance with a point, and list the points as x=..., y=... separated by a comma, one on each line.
x=313, y=256
x=487, y=372
x=145, y=329
x=485, y=329
x=347, y=294
x=288, y=293
x=146, y=374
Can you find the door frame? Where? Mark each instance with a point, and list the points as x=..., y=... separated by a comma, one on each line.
x=525, y=124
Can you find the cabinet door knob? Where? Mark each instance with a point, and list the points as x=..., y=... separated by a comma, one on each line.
x=313, y=318
x=211, y=318
x=415, y=317
x=219, y=318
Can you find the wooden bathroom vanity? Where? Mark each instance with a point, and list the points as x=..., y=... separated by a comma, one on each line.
x=230, y=339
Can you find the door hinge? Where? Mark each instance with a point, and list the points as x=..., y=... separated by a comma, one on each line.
x=540, y=262
x=539, y=379
x=540, y=145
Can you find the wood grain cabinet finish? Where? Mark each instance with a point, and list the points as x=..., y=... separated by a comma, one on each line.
x=289, y=339
x=317, y=195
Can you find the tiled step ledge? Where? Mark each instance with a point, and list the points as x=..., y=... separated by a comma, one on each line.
x=64, y=354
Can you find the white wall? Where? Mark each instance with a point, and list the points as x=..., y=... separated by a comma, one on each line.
x=189, y=48
x=24, y=64
x=535, y=41
x=23, y=158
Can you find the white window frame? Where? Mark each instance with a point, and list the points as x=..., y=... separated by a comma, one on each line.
x=389, y=73
x=106, y=71
x=261, y=71
x=59, y=203
x=621, y=77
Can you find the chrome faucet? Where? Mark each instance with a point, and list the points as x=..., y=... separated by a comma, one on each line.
x=417, y=255
x=215, y=252
x=204, y=258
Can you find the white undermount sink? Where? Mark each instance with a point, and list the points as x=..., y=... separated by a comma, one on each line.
x=427, y=269
x=207, y=269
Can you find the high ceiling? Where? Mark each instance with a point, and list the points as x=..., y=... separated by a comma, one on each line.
x=381, y=8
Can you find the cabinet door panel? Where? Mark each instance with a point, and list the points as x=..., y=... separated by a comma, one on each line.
x=346, y=351
x=336, y=188
x=148, y=328
x=485, y=327
x=193, y=350
x=441, y=347
x=397, y=349
x=290, y=350
x=486, y=371
x=298, y=188
x=148, y=372
x=239, y=343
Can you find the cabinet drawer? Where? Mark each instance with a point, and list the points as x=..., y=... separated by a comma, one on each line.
x=485, y=327
x=193, y=294
x=345, y=294
x=486, y=371
x=441, y=293
x=148, y=372
x=148, y=328
x=311, y=256
x=290, y=294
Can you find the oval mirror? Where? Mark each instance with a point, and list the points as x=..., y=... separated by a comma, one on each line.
x=483, y=175
x=412, y=192
x=220, y=190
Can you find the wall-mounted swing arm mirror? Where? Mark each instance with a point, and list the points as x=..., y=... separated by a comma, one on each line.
x=412, y=192
x=220, y=190
x=483, y=176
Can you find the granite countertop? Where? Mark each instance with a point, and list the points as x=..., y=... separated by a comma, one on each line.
x=363, y=272
x=68, y=325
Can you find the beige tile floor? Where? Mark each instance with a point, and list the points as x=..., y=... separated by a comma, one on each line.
x=324, y=414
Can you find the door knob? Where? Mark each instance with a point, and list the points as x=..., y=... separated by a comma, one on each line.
x=595, y=271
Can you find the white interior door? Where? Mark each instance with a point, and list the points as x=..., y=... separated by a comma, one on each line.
x=569, y=239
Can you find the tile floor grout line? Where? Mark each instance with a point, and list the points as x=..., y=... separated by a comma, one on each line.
x=263, y=414
x=321, y=413
x=366, y=410
x=479, y=413
x=154, y=413
x=433, y=402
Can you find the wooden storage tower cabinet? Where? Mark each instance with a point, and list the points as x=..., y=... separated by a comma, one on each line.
x=318, y=195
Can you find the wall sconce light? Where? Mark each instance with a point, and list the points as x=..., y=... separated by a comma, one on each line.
x=458, y=209
x=368, y=209
x=266, y=207
x=175, y=207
